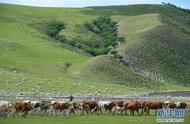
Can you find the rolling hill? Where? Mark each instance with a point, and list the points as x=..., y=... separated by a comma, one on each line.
x=157, y=51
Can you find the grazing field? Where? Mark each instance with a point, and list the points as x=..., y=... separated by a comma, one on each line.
x=156, y=51
x=87, y=119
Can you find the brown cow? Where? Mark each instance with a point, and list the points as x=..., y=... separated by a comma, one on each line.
x=76, y=106
x=132, y=105
x=22, y=107
x=148, y=105
x=111, y=107
x=56, y=106
x=170, y=105
x=118, y=107
x=89, y=106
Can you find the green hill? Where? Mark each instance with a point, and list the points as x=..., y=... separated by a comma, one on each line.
x=156, y=52
x=158, y=39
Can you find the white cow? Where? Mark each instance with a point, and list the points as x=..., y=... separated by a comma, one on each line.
x=36, y=107
x=5, y=108
x=102, y=104
x=5, y=103
x=177, y=104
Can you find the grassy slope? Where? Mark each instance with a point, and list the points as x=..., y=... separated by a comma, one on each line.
x=41, y=61
x=89, y=119
x=158, y=40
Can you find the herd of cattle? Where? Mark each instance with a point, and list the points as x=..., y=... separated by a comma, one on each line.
x=51, y=108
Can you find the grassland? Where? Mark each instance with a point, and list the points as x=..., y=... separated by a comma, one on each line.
x=87, y=119
x=32, y=61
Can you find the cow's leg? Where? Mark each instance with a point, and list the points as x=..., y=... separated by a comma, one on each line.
x=142, y=111
x=131, y=113
x=148, y=112
x=113, y=112
x=94, y=111
x=126, y=112
x=16, y=113
x=24, y=114
x=72, y=111
x=5, y=114
x=101, y=111
x=121, y=111
x=63, y=112
x=90, y=111
x=54, y=112
x=109, y=112
x=33, y=111
x=82, y=112
x=50, y=112
x=138, y=112
x=155, y=112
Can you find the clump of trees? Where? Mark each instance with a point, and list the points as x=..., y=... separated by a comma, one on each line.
x=54, y=27
x=103, y=27
x=116, y=55
x=107, y=29
x=174, y=6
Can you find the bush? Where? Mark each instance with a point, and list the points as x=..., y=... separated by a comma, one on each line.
x=118, y=56
x=104, y=27
x=121, y=39
x=54, y=27
x=67, y=64
x=113, y=52
x=97, y=51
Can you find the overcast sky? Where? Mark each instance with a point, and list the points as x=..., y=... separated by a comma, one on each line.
x=84, y=3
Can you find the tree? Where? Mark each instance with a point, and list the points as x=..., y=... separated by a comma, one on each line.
x=54, y=27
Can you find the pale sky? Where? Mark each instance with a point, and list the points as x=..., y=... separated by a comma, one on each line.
x=85, y=3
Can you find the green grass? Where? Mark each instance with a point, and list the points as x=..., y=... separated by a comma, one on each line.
x=87, y=119
x=38, y=59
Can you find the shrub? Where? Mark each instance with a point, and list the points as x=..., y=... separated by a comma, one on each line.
x=54, y=27
x=113, y=52
x=67, y=64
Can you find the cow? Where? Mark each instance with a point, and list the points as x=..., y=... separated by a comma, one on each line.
x=5, y=103
x=89, y=106
x=36, y=107
x=132, y=105
x=148, y=105
x=181, y=105
x=170, y=105
x=77, y=107
x=103, y=104
x=56, y=106
x=5, y=108
x=22, y=107
x=111, y=107
x=4, y=111
x=44, y=107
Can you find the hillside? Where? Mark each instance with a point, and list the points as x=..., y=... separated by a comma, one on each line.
x=158, y=40
x=156, y=51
